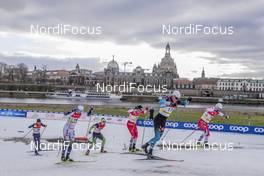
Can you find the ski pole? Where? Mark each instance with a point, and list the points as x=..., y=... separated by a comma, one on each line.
x=143, y=135
x=188, y=136
x=27, y=133
x=165, y=135
x=43, y=132
x=87, y=132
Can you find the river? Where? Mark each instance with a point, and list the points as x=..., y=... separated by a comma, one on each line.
x=117, y=102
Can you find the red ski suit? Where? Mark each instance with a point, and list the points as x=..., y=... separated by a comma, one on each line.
x=131, y=123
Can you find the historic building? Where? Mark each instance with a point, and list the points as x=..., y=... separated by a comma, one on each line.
x=163, y=73
x=241, y=85
x=80, y=76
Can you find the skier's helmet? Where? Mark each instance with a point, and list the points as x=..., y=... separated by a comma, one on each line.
x=177, y=94
x=219, y=106
x=38, y=120
x=103, y=120
x=80, y=108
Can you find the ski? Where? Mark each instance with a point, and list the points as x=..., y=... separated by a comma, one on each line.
x=72, y=162
x=135, y=153
x=32, y=151
x=160, y=158
x=195, y=146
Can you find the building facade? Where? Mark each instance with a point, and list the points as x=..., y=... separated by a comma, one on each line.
x=162, y=74
x=245, y=85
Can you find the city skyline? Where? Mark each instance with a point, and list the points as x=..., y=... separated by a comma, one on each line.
x=135, y=35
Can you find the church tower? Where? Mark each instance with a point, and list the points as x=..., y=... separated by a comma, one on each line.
x=167, y=51
x=203, y=74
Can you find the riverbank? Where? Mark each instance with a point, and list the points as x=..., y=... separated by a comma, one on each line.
x=238, y=117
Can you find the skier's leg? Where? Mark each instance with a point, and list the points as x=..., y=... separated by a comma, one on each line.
x=153, y=141
x=201, y=126
x=130, y=129
x=92, y=145
x=207, y=134
x=135, y=136
x=69, y=149
x=36, y=142
x=102, y=138
x=65, y=139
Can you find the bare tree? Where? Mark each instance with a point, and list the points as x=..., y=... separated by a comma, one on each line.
x=43, y=73
x=3, y=69
x=22, y=70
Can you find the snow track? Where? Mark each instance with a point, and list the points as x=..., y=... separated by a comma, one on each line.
x=16, y=161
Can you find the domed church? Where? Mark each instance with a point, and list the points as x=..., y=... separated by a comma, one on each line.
x=162, y=74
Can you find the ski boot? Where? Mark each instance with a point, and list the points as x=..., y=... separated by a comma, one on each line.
x=206, y=145
x=145, y=147
x=102, y=150
x=68, y=159
x=150, y=155
x=87, y=152
x=37, y=154
x=198, y=142
x=63, y=158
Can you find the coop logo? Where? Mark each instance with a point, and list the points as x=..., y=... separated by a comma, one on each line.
x=259, y=130
x=239, y=128
x=172, y=124
x=216, y=127
x=148, y=123
x=190, y=125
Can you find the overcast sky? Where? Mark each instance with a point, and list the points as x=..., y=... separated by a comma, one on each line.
x=132, y=31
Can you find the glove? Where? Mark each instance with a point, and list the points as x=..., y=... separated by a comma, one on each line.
x=189, y=99
x=161, y=129
x=227, y=117
x=89, y=132
x=45, y=126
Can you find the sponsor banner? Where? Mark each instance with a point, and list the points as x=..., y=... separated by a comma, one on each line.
x=213, y=127
x=45, y=115
x=13, y=113
x=122, y=120
x=60, y=116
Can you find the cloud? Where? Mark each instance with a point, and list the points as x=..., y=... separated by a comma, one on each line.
x=134, y=21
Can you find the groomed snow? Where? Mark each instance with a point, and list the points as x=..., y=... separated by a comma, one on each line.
x=15, y=161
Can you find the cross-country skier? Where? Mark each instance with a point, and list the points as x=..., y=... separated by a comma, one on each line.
x=36, y=134
x=69, y=132
x=167, y=105
x=96, y=128
x=203, y=122
x=132, y=126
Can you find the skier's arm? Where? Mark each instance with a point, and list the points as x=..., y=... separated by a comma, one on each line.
x=185, y=102
x=92, y=127
x=43, y=125
x=31, y=126
x=223, y=115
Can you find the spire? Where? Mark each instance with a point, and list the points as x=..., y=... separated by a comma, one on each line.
x=113, y=57
x=78, y=68
x=168, y=48
x=203, y=73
